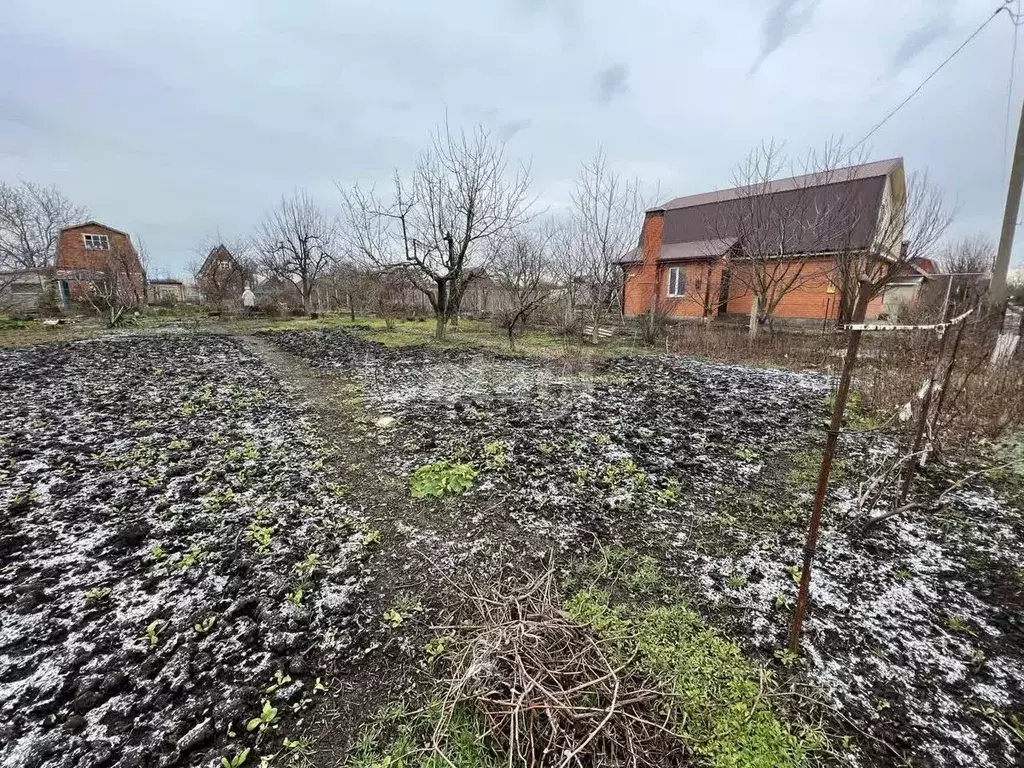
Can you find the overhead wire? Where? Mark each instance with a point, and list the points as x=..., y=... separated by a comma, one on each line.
x=1002, y=7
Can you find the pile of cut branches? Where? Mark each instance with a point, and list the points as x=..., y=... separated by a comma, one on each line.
x=549, y=692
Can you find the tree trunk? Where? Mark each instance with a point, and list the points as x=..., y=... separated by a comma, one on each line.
x=351, y=307
x=755, y=311
x=441, y=311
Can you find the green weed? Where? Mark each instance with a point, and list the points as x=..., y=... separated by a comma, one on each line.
x=441, y=478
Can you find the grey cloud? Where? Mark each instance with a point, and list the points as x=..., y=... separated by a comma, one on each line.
x=916, y=41
x=507, y=130
x=611, y=82
x=784, y=20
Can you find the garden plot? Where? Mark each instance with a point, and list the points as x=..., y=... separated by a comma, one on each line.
x=914, y=646
x=174, y=569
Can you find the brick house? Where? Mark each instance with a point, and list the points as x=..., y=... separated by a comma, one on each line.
x=221, y=278
x=92, y=254
x=691, y=260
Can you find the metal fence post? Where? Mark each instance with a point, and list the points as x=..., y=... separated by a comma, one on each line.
x=814, y=525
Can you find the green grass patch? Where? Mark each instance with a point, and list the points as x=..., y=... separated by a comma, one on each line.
x=728, y=719
x=397, y=738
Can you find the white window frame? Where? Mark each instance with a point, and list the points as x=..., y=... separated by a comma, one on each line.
x=676, y=282
x=96, y=242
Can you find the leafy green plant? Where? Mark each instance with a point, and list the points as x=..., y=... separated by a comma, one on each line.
x=670, y=492
x=902, y=574
x=737, y=581
x=295, y=596
x=205, y=625
x=153, y=632
x=794, y=571
x=308, y=566
x=956, y=624
x=437, y=648
x=747, y=453
x=266, y=718
x=393, y=617
x=280, y=680
x=97, y=593
x=787, y=657
x=580, y=476
x=978, y=659
x=158, y=554
x=496, y=454
x=260, y=536
x=602, y=440
x=236, y=761
x=177, y=445
x=191, y=558
x=370, y=538
x=441, y=479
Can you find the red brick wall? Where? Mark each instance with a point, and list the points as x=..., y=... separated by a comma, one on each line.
x=641, y=280
x=810, y=300
x=72, y=256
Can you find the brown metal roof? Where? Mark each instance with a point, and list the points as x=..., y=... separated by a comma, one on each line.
x=839, y=175
x=695, y=250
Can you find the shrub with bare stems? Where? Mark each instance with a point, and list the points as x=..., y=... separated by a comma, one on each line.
x=550, y=692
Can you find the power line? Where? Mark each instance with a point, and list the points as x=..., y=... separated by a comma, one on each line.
x=1009, y=89
x=934, y=72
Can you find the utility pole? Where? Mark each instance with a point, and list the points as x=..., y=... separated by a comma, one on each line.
x=997, y=287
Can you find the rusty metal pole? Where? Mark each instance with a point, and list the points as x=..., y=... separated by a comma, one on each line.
x=814, y=525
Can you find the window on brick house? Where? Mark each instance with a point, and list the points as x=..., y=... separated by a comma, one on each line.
x=676, y=281
x=96, y=242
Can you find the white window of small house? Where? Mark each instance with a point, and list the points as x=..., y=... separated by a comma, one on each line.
x=676, y=281
x=97, y=242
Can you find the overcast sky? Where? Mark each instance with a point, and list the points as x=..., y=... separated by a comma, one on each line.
x=177, y=120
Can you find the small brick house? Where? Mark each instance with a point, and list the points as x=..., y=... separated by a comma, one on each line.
x=88, y=253
x=690, y=260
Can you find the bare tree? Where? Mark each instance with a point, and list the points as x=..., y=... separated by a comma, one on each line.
x=31, y=218
x=463, y=195
x=907, y=230
x=521, y=266
x=296, y=244
x=223, y=268
x=969, y=255
x=783, y=225
x=120, y=285
x=608, y=210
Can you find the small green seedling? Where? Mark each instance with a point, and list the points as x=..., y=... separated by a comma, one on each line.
x=260, y=535
x=307, y=566
x=393, y=617
x=295, y=596
x=194, y=555
x=794, y=572
x=264, y=720
x=370, y=538
x=158, y=554
x=602, y=440
x=153, y=632
x=787, y=657
x=902, y=574
x=956, y=624
x=436, y=648
x=737, y=581
x=235, y=761
x=747, y=453
x=978, y=659
x=97, y=593
x=280, y=680
x=205, y=625
x=319, y=687
x=496, y=454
